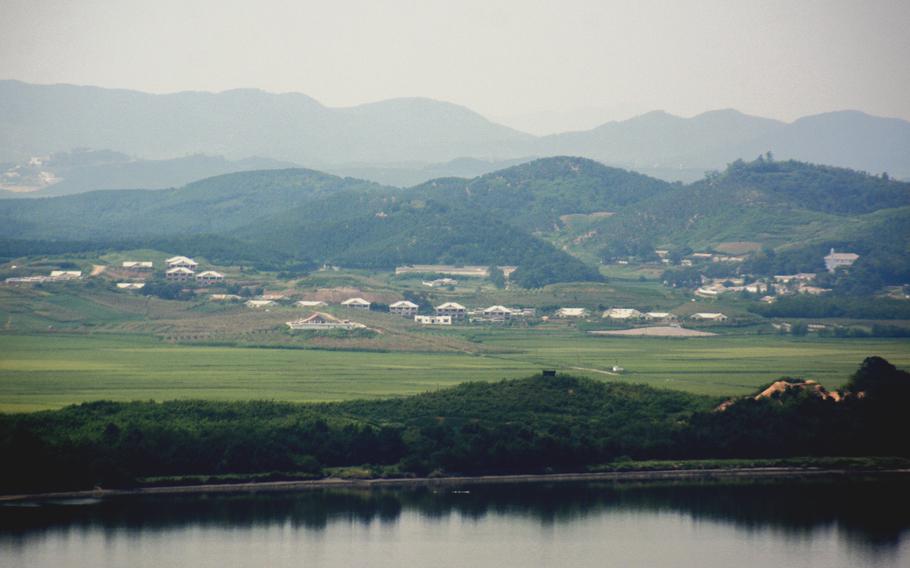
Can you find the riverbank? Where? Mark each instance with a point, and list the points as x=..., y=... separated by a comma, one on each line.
x=338, y=483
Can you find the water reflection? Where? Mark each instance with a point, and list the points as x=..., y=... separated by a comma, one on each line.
x=870, y=516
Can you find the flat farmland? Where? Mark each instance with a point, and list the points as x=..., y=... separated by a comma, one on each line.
x=44, y=371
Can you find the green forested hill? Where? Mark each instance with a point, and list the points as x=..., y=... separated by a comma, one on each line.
x=505, y=217
x=772, y=203
x=213, y=205
x=535, y=195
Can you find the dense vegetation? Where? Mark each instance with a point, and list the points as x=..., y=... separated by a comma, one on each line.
x=535, y=195
x=535, y=424
x=808, y=306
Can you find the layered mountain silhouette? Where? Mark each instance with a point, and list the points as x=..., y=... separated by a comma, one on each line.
x=400, y=138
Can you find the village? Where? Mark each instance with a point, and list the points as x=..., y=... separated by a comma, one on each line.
x=453, y=313
x=336, y=309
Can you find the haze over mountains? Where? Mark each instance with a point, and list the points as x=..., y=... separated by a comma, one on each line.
x=403, y=141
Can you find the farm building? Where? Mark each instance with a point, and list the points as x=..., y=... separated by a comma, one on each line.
x=321, y=321
x=66, y=274
x=225, y=298
x=835, y=260
x=130, y=285
x=181, y=262
x=259, y=303
x=209, y=277
x=708, y=316
x=659, y=316
x=451, y=309
x=497, y=313
x=138, y=265
x=622, y=314
x=572, y=313
x=356, y=303
x=404, y=308
x=179, y=274
x=310, y=303
x=433, y=320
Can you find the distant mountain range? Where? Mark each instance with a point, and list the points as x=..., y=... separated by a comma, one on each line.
x=402, y=141
x=67, y=173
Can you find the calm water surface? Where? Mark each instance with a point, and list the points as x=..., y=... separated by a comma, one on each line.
x=830, y=523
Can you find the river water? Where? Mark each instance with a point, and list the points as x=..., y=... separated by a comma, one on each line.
x=828, y=523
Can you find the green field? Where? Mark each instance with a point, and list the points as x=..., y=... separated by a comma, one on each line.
x=44, y=371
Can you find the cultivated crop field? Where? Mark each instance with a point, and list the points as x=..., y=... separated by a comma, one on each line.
x=44, y=371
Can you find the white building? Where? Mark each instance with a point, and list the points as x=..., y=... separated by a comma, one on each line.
x=356, y=303
x=310, y=304
x=835, y=260
x=259, y=303
x=138, y=265
x=66, y=274
x=622, y=314
x=433, y=320
x=451, y=309
x=404, y=308
x=181, y=262
x=708, y=316
x=659, y=316
x=572, y=313
x=179, y=274
x=497, y=313
x=320, y=321
x=209, y=277
x=130, y=285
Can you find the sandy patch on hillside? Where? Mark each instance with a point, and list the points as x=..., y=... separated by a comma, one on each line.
x=656, y=331
x=738, y=247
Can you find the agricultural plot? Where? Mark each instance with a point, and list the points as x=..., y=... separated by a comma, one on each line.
x=49, y=371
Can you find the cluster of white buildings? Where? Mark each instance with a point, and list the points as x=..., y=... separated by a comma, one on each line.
x=183, y=269
x=631, y=314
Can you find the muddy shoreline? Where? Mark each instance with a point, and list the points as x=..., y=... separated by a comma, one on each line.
x=329, y=483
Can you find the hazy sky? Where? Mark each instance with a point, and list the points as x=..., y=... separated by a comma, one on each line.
x=562, y=61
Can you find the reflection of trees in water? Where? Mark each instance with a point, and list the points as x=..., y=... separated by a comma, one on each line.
x=873, y=515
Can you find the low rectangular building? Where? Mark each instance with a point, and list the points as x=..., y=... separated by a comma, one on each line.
x=138, y=265
x=433, y=320
x=622, y=314
x=709, y=316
